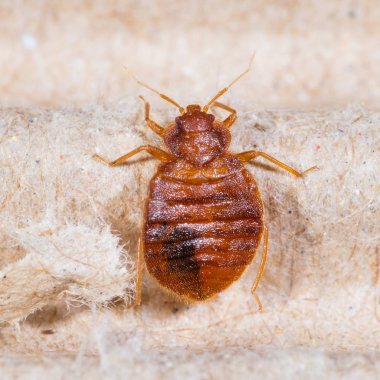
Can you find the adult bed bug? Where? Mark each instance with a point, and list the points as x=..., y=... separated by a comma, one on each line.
x=204, y=215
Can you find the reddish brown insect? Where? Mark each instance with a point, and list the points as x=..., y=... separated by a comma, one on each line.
x=204, y=215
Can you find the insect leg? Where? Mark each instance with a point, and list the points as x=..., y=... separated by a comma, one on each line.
x=151, y=123
x=230, y=120
x=154, y=151
x=249, y=155
x=139, y=274
x=261, y=269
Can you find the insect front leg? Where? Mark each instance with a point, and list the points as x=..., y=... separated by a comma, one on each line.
x=249, y=155
x=155, y=127
x=230, y=120
x=154, y=151
x=261, y=269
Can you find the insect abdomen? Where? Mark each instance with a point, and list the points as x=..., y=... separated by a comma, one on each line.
x=199, y=237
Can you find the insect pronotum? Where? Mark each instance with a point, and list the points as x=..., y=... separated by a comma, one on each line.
x=204, y=215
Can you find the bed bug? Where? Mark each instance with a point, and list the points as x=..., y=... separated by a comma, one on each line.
x=204, y=216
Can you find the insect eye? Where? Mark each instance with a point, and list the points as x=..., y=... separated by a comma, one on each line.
x=211, y=117
x=178, y=120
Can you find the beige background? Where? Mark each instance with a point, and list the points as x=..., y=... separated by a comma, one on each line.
x=309, y=53
x=321, y=287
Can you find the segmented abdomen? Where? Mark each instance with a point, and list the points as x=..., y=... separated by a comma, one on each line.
x=199, y=236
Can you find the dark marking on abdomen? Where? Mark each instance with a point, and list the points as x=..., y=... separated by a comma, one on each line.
x=181, y=256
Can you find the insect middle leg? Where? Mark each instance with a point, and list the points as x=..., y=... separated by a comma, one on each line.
x=249, y=155
x=154, y=151
x=230, y=120
x=155, y=127
x=261, y=269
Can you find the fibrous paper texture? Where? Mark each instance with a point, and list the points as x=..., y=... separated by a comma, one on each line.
x=70, y=226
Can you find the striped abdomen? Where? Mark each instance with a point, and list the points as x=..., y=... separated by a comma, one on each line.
x=200, y=234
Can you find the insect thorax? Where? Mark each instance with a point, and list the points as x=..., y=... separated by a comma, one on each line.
x=196, y=136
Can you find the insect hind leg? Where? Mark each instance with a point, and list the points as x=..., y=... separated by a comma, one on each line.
x=137, y=301
x=261, y=269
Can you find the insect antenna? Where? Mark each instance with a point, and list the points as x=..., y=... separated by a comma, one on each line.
x=163, y=96
x=225, y=89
